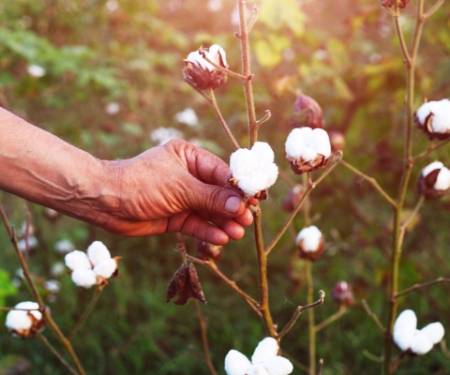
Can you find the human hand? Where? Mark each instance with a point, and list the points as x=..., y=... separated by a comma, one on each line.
x=176, y=187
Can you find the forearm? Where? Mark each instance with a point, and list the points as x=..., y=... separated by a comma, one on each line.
x=42, y=168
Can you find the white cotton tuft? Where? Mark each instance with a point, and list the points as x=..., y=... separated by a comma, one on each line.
x=431, y=167
x=443, y=177
x=434, y=331
x=106, y=268
x=254, y=169
x=278, y=366
x=77, y=260
x=236, y=363
x=266, y=348
x=163, y=135
x=405, y=329
x=84, y=278
x=52, y=286
x=36, y=71
x=187, y=117
x=421, y=344
x=307, y=144
x=98, y=253
x=57, y=269
x=258, y=370
x=20, y=320
x=309, y=238
x=215, y=53
x=440, y=111
x=64, y=246
x=112, y=108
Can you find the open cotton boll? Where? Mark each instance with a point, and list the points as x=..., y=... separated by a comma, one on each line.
x=106, y=268
x=267, y=347
x=254, y=170
x=77, y=260
x=434, y=180
x=405, y=329
x=434, y=331
x=26, y=320
x=98, y=253
x=421, y=344
x=236, y=363
x=85, y=278
x=18, y=320
x=434, y=117
x=310, y=237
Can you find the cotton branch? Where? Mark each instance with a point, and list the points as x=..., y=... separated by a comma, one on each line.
x=416, y=287
x=332, y=318
x=372, y=315
x=204, y=337
x=298, y=312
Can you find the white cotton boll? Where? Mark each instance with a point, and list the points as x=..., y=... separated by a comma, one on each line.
x=163, y=135
x=254, y=169
x=431, y=167
x=266, y=348
x=421, y=344
x=84, y=278
x=77, y=260
x=307, y=143
x=32, y=307
x=309, y=238
x=236, y=363
x=278, y=366
x=17, y=320
x=112, y=108
x=405, y=329
x=187, y=117
x=440, y=111
x=106, y=268
x=30, y=243
x=57, y=269
x=443, y=179
x=64, y=246
x=98, y=253
x=36, y=71
x=434, y=331
x=217, y=55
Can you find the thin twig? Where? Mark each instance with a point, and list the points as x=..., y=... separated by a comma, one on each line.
x=372, y=315
x=266, y=117
x=298, y=312
x=222, y=120
x=433, y=9
x=416, y=287
x=370, y=180
x=229, y=282
x=332, y=318
x=432, y=147
x=55, y=352
x=224, y=70
x=297, y=209
x=414, y=213
x=86, y=313
x=204, y=337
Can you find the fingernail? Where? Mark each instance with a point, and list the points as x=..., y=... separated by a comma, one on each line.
x=232, y=204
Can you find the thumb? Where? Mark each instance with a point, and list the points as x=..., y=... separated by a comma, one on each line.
x=217, y=200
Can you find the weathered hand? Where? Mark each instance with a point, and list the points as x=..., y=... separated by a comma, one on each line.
x=177, y=187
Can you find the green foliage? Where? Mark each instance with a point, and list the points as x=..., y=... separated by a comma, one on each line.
x=7, y=288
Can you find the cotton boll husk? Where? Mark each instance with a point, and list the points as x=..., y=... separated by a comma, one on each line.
x=106, y=268
x=77, y=260
x=85, y=278
x=266, y=348
x=236, y=363
x=98, y=253
x=278, y=366
x=443, y=179
x=421, y=344
x=405, y=329
x=310, y=238
x=434, y=331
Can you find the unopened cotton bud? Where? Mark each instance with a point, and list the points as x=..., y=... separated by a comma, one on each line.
x=26, y=320
x=307, y=149
x=84, y=277
x=77, y=260
x=391, y=3
x=434, y=118
x=253, y=170
x=98, y=253
x=434, y=181
x=209, y=251
x=307, y=112
x=310, y=243
x=200, y=73
x=293, y=198
x=106, y=268
x=343, y=293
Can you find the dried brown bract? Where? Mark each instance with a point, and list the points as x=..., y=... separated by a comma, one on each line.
x=185, y=284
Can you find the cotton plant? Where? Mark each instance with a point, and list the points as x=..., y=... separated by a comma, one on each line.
x=264, y=361
x=409, y=338
x=433, y=117
x=25, y=319
x=94, y=267
x=253, y=170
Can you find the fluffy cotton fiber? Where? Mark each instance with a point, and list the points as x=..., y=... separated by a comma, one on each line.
x=309, y=238
x=440, y=111
x=308, y=144
x=443, y=178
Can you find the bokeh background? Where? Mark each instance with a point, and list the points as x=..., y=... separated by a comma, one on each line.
x=106, y=76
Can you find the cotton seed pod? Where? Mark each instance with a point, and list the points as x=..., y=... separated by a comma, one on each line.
x=310, y=243
x=209, y=251
x=26, y=321
x=433, y=118
x=391, y=3
x=307, y=149
x=185, y=284
x=307, y=112
x=292, y=198
x=337, y=140
x=434, y=181
x=200, y=73
x=343, y=294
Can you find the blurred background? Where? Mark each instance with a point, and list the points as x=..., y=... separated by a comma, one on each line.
x=106, y=76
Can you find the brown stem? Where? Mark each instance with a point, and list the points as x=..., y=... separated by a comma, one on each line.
x=299, y=206
x=430, y=149
x=222, y=120
x=225, y=70
x=332, y=318
x=229, y=282
x=86, y=313
x=204, y=337
x=415, y=287
x=55, y=352
x=298, y=312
